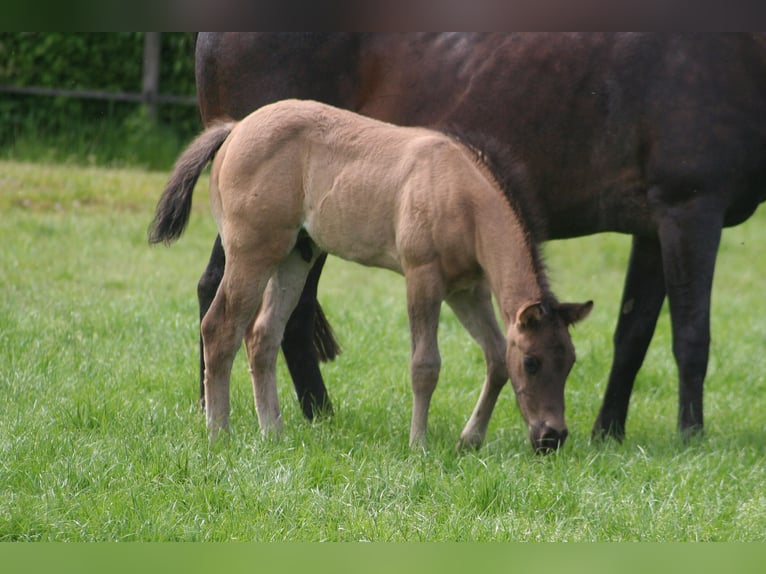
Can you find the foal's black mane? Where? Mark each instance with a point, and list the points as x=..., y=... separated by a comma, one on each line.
x=510, y=176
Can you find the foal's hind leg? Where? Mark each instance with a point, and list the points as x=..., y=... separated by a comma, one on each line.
x=265, y=335
x=307, y=327
x=475, y=311
x=223, y=327
x=248, y=269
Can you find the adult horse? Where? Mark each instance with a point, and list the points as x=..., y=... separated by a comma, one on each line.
x=660, y=136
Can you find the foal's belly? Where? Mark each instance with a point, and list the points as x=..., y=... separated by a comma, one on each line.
x=359, y=239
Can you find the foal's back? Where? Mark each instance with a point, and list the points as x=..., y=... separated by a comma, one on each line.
x=364, y=190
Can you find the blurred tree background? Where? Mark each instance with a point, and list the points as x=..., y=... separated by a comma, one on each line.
x=94, y=131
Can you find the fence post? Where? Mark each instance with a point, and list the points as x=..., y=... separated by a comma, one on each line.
x=151, y=79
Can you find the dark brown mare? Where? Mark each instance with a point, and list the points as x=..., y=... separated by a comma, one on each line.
x=661, y=136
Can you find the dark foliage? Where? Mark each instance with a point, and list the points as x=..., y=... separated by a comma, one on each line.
x=99, y=62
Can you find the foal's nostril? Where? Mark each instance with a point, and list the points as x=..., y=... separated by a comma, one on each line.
x=549, y=439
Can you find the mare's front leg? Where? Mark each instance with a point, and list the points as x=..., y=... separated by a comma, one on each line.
x=475, y=311
x=690, y=233
x=642, y=300
x=265, y=334
x=425, y=293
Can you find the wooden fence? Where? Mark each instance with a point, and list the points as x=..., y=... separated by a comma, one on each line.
x=149, y=95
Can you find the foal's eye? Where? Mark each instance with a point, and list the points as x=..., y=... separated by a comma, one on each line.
x=531, y=364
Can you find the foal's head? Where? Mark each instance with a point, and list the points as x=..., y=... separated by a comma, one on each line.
x=539, y=357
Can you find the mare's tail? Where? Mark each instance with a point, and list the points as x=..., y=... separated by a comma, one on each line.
x=174, y=206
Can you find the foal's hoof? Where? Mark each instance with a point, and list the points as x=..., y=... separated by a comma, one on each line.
x=418, y=443
x=273, y=432
x=218, y=435
x=469, y=443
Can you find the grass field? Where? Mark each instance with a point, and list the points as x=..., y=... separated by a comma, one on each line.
x=101, y=437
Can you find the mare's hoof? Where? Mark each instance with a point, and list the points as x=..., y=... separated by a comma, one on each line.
x=604, y=430
x=692, y=433
x=317, y=412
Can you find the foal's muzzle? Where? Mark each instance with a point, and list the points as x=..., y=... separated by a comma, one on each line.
x=546, y=439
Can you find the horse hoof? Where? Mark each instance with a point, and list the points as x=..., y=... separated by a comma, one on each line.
x=602, y=432
x=469, y=443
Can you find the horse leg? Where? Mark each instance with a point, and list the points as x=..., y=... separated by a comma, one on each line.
x=425, y=292
x=257, y=252
x=206, y=290
x=264, y=336
x=223, y=327
x=475, y=311
x=300, y=350
x=690, y=233
x=306, y=329
x=642, y=299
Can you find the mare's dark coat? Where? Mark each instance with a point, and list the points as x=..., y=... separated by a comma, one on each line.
x=661, y=136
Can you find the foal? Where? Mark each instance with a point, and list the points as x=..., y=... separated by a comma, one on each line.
x=298, y=178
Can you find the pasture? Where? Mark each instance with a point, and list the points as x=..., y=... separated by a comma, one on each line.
x=101, y=438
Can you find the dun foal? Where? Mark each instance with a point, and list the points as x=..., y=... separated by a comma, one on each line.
x=298, y=178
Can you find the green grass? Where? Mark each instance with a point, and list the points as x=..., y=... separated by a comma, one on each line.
x=101, y=437
x=110, y=139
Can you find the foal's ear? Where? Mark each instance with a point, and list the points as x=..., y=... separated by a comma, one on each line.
x=529, y=315
x=572, y=313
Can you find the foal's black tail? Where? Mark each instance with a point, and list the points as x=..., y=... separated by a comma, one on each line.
x=174, y=206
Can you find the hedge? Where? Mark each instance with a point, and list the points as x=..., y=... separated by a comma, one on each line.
x=90, y=61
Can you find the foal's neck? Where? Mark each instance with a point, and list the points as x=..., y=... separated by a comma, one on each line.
x=509, y=256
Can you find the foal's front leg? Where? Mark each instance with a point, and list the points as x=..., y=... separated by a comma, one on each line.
x=475, y=311
x=425, y=292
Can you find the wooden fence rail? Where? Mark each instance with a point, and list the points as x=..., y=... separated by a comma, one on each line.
x=149, y=95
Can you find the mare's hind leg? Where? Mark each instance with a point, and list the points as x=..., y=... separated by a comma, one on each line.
x=475, y=311
x=206, y=290
x=307, y=326
x=425, y=293
x=265, y=335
